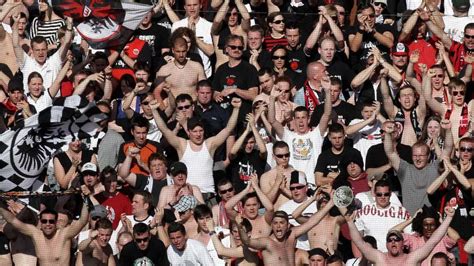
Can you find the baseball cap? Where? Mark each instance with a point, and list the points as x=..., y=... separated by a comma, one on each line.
x=186, y=202
x=381, y=1
x=396, y=233
x=177, y=168
x=399, y=49
x=298, y=177
x=461, y=4
x=89, y=168
x=99, y=211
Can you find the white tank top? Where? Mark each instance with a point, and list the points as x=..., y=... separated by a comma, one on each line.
x=200, y=165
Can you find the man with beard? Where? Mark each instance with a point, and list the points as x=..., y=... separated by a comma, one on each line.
x=414, y=178
x=145, y=249
x=181, y=74
x=280, y=246
x=96, y=250
x=52, y=244
x=394, y=244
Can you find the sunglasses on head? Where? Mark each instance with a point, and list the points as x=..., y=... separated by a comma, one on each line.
x=183, y=107
x=276, y=57
x=297, y=188
x=455, y=93
x=382, y=194
x=48, y=221
x=379, y=4
x=233, y=47
x=226, y=190
x=140, y=240
x=394, y=239
x=284, y=155
x=464, y=149
x=278, y=21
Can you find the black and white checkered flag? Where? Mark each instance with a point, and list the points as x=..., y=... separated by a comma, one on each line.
x=26, y=150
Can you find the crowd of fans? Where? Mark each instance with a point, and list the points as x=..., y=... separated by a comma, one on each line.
x=232, y=122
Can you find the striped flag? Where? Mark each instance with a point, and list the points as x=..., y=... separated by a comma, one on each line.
x=26, y=150
x=103, y=23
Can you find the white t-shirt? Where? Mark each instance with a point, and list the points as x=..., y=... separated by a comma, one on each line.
x=115, y=233
x=290, y=206
x=304, y=150
x=49, y=70
x=195, y=253
x=203, y=32
x=366, y=198
x=376, y=222
x=212, y=250
x=454, y=26
x=44, y=101
x=448, y=8
x=367, y=137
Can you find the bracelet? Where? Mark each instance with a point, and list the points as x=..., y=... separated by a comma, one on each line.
x=211, y=233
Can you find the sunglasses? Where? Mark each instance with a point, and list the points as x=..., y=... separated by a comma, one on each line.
x=393, y=239
x=278, y=21
x=342, y=13
x=48, y=221
x=226, y=190
x=95, y=218
x=145, y=103
x=464, y=149
x=371, y=15
x=382, y=194
x=276, y=57
x=455, y=93
x=439, y=76
x=234, y=47
x=297, y=188
x=468, y=36
x=140, y=240
x=183, y=107
x=285, y=155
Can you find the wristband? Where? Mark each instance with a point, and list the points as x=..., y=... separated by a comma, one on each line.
x=359, y=30
x=212, y=233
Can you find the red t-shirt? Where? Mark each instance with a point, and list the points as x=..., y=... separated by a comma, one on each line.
x=132, y=50
x=427, y=54
x=115, y=206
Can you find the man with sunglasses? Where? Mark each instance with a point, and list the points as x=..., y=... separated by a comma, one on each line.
x=465, y=155
x=394, y=244
x=226, y=191
x=145, y=249
x=377, y=218
x=52, y=244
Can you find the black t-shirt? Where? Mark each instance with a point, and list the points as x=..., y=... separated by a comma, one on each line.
x=329, y=162
x=376, y=157
x=4, y=244
x=147, y=183
x=342, y=71
x=344, y=112
x=156, y=36
x=369, y=41
x=264, y=59
x=245, y=163
x=297, y=62
x=155, y=254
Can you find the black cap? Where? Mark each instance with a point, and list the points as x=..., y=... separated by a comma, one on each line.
x=178, y=168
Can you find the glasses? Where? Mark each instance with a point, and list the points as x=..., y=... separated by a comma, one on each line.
x=371, y=15
x=394, y=239
x=285, y=91
x=234, y=47
x=439, y=76
x=278, y=21
x=466, y=149
x=145, y=103
x=297, y=188
x=95, y=218
x=382, y=194
x=466, y=36
x=276, y=57
x=48, y=221
x=226, y=190
x=183, y=107
x=285, y=155
x=342, y=13
x=140, y=240
x=455, y=93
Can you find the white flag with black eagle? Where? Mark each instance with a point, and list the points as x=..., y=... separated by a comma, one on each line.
x=26, y=150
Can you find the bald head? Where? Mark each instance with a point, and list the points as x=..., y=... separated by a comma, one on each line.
x=315, y=70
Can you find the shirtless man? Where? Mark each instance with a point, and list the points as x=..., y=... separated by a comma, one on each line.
x=326, y=233
x=52, y=245
x=410, y=115
x=7, y=53
x=272, y=182
x=250, y=205
x=395, y=254
x=279, y=248
x=181, y=73
x=171, y=194
x=96, y=250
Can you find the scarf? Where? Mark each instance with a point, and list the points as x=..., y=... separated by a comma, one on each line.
x=310, y=98
x=400, y=117
x=463, y=122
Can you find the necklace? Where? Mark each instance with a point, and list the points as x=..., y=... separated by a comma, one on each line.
x=178, y=65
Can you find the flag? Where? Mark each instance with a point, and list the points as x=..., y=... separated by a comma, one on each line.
x=26, y=150
x=103, y=23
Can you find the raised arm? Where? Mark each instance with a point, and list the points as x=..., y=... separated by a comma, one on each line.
x=170, y=12
x=239, y=142
x=299, y=211
x=64, y=48
x=124, y=167
x=388, y=146
x=259, y=243
x=277, y=126
x=351, y=129
x=364, y=75
x=313, y=221
x=26, y=229
x=87, y=245
x=439, y=180
x=229, y=205
x=401, y=226
x=217, y=140
x=313, y=37
x=53, y=90
x=460, y=178
x=244, y=13
x=19, y=53
x=408, y=27
x=79, y=89
x=469, y=246
x=434, y=105
x=448, y=138
x=219, y=18
x=262, y=149
x=388, y=105
x=420, y=254
x=437, y=31
x=236, y=252
x=324, y=121
x=173, y=140
x=76, y=227
x=267, y=204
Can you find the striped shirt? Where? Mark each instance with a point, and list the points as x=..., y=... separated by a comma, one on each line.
x=47, y=29
x=269, y=42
